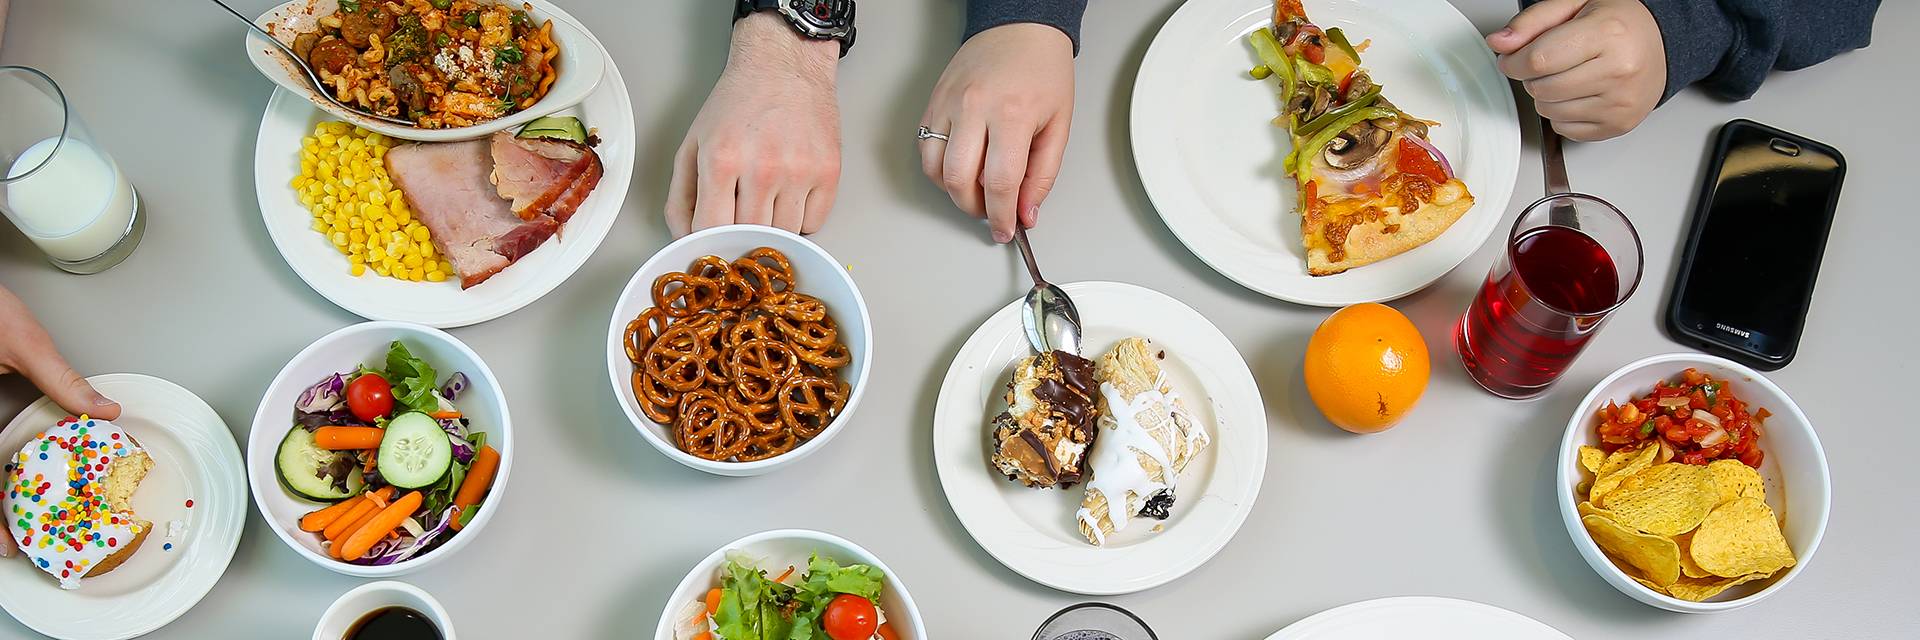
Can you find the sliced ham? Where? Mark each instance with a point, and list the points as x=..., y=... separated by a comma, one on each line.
x=449, y=187
x=543, y=176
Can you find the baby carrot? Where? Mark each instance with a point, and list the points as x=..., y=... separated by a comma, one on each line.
x=347, y=437
x=360, y=541
x=479, y=478
x=713, y=601
x=339, y=525
x=337, y=543
x=318, y=520
x=444, y=415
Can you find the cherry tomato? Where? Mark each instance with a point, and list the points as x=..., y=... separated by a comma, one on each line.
x=369, y=396
x=886, y=633
x=850, y=617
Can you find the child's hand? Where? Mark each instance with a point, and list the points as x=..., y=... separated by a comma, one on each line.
x=1596, y=68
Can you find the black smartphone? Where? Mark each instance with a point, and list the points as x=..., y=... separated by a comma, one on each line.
x=1746, y=278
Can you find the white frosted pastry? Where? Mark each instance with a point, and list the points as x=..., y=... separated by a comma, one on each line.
x=1147, y=437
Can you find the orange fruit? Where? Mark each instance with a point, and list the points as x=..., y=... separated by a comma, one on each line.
x=1366, y=366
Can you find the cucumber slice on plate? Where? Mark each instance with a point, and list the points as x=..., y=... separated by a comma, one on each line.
x=556, y=127
x=415, y=451
x=316, y=473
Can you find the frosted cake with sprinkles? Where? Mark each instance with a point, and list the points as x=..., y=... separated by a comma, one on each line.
x=68, y=497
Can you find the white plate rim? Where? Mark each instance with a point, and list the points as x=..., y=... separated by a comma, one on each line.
x=957, y=416
x=1153, y=151
x=1373, y=608
x=224, y=534
x=590, y=225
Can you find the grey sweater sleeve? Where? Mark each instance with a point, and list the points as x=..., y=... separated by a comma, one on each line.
x=1728, y=46
x=1059, y=14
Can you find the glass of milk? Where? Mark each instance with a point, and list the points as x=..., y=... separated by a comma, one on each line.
x=59, y=187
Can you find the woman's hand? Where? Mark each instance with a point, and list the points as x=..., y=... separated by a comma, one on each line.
x=1594, y=67
x=25, y=348
x=765, y=148
x=1005, y=103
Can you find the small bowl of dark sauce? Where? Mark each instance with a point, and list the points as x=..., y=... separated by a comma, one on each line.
x=1094, y=621
x=385, y=610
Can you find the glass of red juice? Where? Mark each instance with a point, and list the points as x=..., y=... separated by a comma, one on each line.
x=1570, y=261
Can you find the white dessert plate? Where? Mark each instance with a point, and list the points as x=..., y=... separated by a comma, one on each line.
x=1209, y=158
x=1033, y=531
x=194, y=458
x=290, y=117
x=1424, y=617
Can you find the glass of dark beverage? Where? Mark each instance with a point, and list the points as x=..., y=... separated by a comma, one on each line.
x=1094, y=621
x=1570, y=261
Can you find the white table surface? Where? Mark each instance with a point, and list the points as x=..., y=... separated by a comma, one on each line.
x=1456, y=501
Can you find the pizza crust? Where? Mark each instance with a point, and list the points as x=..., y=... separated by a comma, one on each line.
x=1369, y=242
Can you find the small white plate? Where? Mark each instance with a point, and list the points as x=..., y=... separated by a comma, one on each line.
x=438, y=304
x=1210, y=159
x=578, y=70
x=1425, y=617
x=1032, y=531
x=194, y=458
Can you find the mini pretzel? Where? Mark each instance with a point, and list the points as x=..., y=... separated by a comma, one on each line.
x=760, y=367
x=755, y=328
x=680, y=295
x=677, y=358
x=707, y=429
x=660, y=412
x=833, y=356
x=794, y=305
x=761, y=418
x=808, y=404
x=811, y=335
x=761, y=447
x=641, y=332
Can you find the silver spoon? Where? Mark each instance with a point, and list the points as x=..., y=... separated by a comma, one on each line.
x=1047, y=315
x=313, y=78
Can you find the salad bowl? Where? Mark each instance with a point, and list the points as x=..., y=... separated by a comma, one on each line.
x=773, y=551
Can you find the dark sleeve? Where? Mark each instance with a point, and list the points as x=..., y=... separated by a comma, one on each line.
x=1059, y=14
x=1728, y=46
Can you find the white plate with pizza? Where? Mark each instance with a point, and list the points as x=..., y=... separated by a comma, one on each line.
x=1214, y=163
x=526, y=260
x=194, y=496
x=1033, y=529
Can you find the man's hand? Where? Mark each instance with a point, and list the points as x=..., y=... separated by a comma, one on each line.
x=25, y=348
x=765, y=148
x=1594, y=67
x=1005, y=102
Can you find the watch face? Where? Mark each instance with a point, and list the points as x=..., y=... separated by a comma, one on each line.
x=824, y=14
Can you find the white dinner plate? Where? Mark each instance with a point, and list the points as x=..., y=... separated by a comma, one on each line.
x=1425, y=617
x=291, y=117
x=1033, y=531
x=1210, y=159
x=194, y=458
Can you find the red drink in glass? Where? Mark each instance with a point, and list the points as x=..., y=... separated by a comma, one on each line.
x=1570, y=260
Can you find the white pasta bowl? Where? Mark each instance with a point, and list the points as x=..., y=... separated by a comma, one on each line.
x=774, y=551
x=818, y=274
x=1794, y=470
x=484, y=403
x=578, y=69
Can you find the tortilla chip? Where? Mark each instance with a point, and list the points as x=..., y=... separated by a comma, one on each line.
x=1737, y=480
x=1739, y=538
x=1654, y=556
x=1665, y=500
x=1688, y=567
x=1698, y=589
x=1620, y=465
x=1591, y=458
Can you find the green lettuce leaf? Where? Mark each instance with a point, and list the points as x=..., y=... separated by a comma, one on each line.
x=413, y=379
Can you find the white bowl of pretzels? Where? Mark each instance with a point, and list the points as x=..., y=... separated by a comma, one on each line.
x=739, y=349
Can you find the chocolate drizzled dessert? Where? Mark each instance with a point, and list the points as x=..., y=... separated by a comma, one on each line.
x=1042, y=439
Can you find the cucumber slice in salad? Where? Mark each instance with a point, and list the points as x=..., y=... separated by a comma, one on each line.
x=556, y=127
x=316, y=473
x=415, y=451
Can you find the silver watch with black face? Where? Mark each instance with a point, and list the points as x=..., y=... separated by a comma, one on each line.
x=818, y=19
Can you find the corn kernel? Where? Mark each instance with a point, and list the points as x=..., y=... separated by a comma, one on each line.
x=358, y=269
x=412, y=259
x=436, y=276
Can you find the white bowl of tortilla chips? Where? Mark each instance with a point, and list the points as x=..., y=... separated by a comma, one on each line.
x=1643, y=541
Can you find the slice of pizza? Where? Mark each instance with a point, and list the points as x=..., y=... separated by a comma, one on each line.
x=1371, y=186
